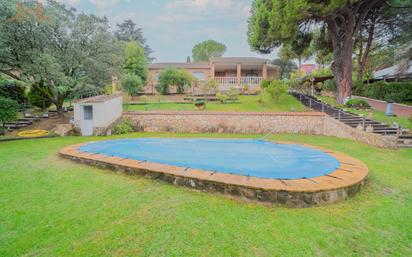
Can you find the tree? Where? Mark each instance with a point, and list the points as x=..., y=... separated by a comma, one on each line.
x=174, y=77
x=285, y=67
x=135, y=61
x=298, y=48
x=188, y=59
x=8, y=111
x=132, y=84
x=127, y=31
x=321, y=47
x=57, y=51
x=275, y=22
x=206, y=50
x=382, y=27
x=13, y=90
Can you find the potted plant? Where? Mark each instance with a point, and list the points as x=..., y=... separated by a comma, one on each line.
x=200, y=104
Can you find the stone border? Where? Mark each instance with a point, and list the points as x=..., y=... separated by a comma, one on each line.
x=336, y=186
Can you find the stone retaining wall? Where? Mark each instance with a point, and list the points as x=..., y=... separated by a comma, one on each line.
x=312, y=123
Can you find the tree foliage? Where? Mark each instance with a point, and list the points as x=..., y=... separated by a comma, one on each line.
x=285, y=67
x=135, y=61
x=13, y=90
x=277, y=22
x=206, y=50
x=8, y=110
x=132, y=84
x=298, y=48
x=174, y=77
x=128, y=31
x=55, y=49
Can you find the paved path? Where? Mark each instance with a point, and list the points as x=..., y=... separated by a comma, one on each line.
x=398, y=109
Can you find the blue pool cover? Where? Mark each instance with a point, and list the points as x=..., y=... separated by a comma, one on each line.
x=256, y=158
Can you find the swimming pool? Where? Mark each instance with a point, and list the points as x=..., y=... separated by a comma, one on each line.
x=296, y=175
x=255, y=158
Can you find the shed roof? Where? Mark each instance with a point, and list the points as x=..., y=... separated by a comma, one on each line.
x=98, y=99
x=180, y=65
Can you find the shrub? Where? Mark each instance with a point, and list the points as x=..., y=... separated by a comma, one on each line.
x=174, y=77
x=208, y=87
x=264, y=84
x=233, y=93
x=38, y=98
x=276, y=89
x=124, y=127
x=221, y=97
x=245, y=88
x=357, y=103
x=8, y=110
x=144, y=98
x=399, y=92
x=13, y=90
x=329, y=85
x=132, y=84
x=358, y=87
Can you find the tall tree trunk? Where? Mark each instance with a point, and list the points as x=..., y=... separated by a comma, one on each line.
x=342, y=67
x=365, y=57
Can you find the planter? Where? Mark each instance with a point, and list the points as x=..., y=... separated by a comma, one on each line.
x=200, y=105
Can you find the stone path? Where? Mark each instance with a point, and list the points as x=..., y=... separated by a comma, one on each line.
x=398, y=109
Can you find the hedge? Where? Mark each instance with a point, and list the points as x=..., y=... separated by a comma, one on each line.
x=400, y=92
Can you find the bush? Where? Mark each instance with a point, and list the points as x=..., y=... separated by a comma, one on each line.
x=132, y=84
x=144, y=98
x=13, y=90
x=399, y=92
x=173, y=77
x=357, y=103
x=124, y=127
x=245, y=88
x=38, y=99
x=221, y=97
x=233, y=93
x=208, y=87
x=8, y=110
x=276, y=89
x=329, y=85
x=264, y=84
x=357, y=87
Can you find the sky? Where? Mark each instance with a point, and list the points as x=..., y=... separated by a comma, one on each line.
x=173, y=27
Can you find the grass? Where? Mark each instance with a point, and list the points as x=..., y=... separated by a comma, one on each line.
x=56, y=207
x=246, y=104
x=376, y=115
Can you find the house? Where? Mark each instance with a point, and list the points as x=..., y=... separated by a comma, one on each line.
x=307, y=68
x=393, y=73
x=228, y=72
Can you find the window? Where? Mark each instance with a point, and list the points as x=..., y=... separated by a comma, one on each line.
x=88, y=112
x=199, y=75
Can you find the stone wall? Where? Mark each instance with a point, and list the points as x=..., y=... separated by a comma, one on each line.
x=312, y=123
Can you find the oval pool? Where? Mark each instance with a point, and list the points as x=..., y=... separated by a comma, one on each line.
x=257, y=158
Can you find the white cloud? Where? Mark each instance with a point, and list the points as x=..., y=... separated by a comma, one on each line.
x=232, y=7
x=103, y=4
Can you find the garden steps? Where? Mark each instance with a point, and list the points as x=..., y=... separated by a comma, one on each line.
x=354, y=120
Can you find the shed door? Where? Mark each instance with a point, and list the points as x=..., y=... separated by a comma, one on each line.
x=87, y=122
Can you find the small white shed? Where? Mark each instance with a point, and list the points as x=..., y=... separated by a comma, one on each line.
x=95, y=115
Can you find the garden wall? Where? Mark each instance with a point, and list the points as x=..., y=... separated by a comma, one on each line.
x=312, y=123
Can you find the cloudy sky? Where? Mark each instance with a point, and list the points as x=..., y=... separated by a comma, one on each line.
x=173, y=27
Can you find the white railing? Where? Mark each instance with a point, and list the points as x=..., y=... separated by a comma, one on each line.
x=226, y=83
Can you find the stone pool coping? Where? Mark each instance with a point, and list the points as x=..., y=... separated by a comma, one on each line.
x=335, y=186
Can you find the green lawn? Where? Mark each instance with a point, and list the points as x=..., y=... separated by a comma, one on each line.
x=376, y=115
x=246, y=104
x=56, y=207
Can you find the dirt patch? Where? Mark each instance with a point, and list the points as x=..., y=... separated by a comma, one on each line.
x=46, y=124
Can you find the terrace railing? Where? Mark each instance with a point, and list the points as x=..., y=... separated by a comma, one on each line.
x=225, y=83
